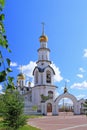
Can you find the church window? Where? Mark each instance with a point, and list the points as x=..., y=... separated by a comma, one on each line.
x=50, y=94
x=36, y=77
x=48, y=77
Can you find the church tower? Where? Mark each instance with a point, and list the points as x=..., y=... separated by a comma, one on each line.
x=43, y=73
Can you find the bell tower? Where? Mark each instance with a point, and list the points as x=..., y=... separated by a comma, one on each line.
x=43, y=51
x=43, y=73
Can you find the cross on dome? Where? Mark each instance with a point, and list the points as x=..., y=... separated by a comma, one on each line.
x=43, y=28
x=43, y=37
x=21, y=68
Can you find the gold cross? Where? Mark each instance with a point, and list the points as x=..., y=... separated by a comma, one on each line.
x=21, y=68
x=43, y=28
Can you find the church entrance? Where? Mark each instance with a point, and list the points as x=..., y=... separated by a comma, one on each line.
x=49, y=107
x=65, y=102
x=73, y=106
x=65, y=107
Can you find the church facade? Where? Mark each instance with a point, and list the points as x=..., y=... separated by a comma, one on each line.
x=42, y=95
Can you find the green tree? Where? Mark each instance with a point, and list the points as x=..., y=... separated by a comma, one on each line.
x=11, y=104
x=13, y=110
x=85, y=107
x=4, y=62
x=44, y=98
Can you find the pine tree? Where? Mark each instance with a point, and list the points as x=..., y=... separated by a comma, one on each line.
x=13, y=110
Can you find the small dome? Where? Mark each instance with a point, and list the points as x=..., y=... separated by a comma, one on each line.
x=43, y=38
x=21, y=76
x=65, y=90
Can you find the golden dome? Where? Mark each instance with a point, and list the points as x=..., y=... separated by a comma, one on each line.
x=43, y=38
x=21, y=76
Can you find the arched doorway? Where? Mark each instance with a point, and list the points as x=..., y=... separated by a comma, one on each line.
x=65, y=107
x=49, y=107
x=76, y=108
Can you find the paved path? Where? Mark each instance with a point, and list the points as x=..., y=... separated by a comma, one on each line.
x=66, y=122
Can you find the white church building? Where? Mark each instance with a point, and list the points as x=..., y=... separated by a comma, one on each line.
x=41, y=97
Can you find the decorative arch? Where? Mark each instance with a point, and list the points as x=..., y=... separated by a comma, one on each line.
x=66, y=95
x=54, y=104
x=48, y=76
x=73, y=99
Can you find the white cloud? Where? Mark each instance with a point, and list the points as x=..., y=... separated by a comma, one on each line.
x=13, y=64
x=82, y=85
x=80, y=75
x=81, y=69
x=85, y=53
x=66, y=101
x=57, y=77
x=67, y=80
x=56, y=94
x=28, y=69
x=62, y=88
x=32, y=84
x=81, y=96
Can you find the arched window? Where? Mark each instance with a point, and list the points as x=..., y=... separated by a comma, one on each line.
x=48, y=77
x=36, y=78
x=50, y=94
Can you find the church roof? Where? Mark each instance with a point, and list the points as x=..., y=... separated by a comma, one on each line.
x=43, y=69
x=20, y=76
x=43, y=38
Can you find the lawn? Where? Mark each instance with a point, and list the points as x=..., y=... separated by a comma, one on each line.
x=26, y=127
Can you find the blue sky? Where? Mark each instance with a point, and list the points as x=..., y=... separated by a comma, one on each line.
x=66, y=28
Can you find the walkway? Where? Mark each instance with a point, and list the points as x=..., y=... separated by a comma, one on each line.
x=62, y=122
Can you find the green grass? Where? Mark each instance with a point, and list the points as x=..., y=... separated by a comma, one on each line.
x=26, y=127
x=33, y=116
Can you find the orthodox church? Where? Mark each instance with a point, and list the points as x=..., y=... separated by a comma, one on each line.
x=42, y=95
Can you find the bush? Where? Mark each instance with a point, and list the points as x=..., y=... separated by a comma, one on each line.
x=12, y=111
